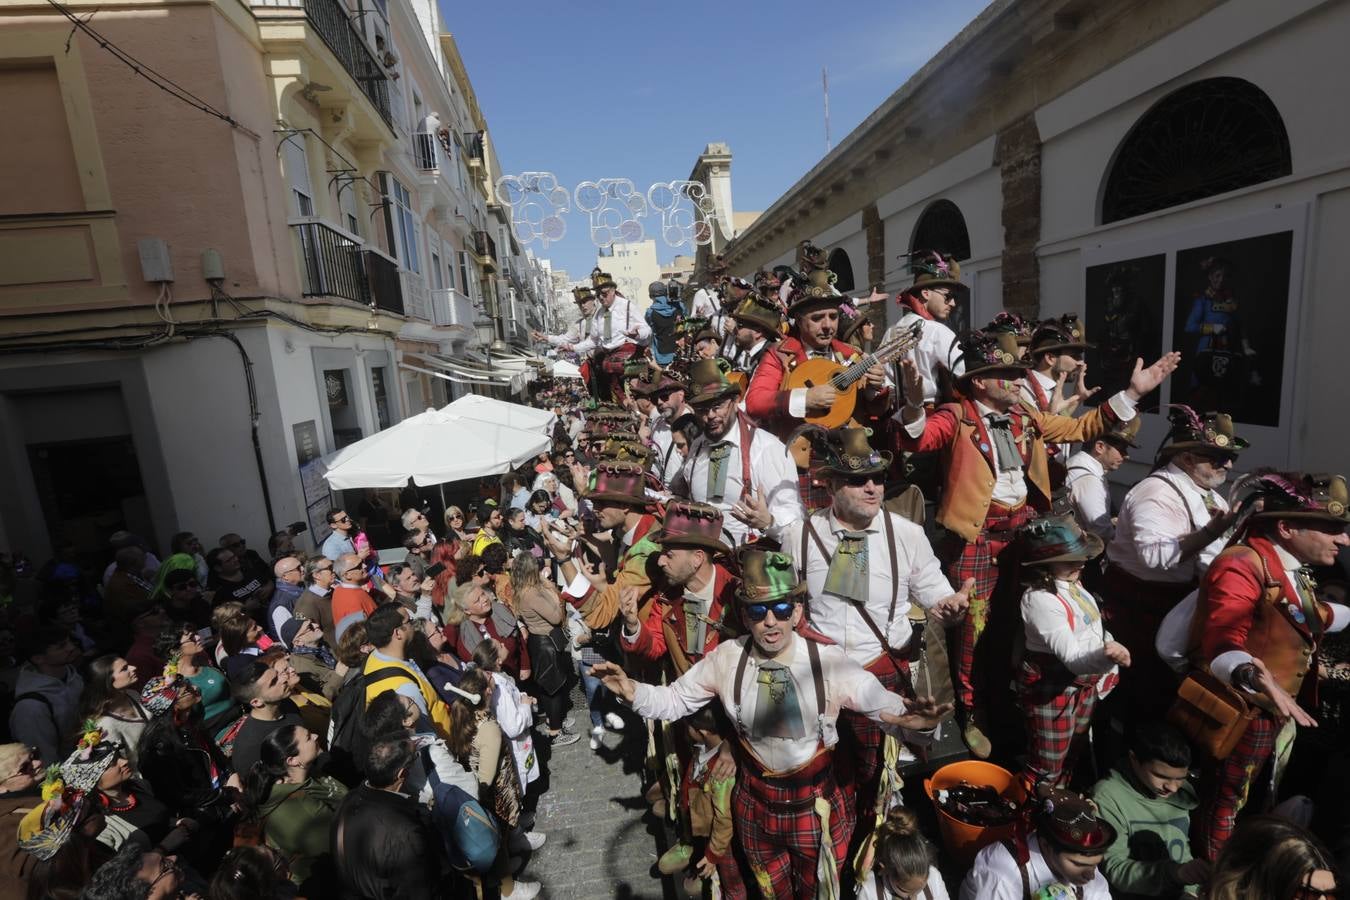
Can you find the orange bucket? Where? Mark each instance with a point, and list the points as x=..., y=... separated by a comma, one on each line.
x=962, y=839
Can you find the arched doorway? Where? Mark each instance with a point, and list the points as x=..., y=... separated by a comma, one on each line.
x=1205, y=139
x=941, y=227
x=842, y=269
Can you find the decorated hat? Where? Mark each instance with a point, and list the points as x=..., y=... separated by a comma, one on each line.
x=690, y=524
x=767, y=576
x=718, y=264
x=767, y=280
x=816, y=293
x=1070, y=822
x=1289, y=495
x=1053, y=539
x=601, y=280
x=809, y=257
x=617, y=482
x=761, y=309
x=44, y=829
x=1122, y=434
x=637, y=367
x=1058, y=336
x=708, y=382
x=1192, y=431
x=1009, y=321
x=581, y=294
x=612, y=431
x=852, y=318
x=655, y=381
x=845, y=450
x=161, y=692
x=627, y=451
x=933, y=269
x=93, y=756
x=989, y=352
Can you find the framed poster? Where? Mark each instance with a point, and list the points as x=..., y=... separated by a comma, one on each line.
x=1124, y=318
x=1231, y=310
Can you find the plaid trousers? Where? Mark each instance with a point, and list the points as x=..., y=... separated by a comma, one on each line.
x=1058, y=707
x=857, y=756
x=779, y=830
x=979, y=560
x=1224, y=787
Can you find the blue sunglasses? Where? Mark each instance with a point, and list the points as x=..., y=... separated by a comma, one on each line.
x=782, y=610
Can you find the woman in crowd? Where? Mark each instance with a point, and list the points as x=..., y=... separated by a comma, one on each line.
x=447, y=553
x=541, y=507
x=541, y=609
x=183, y=648
x=1272, y=858
x=111, y=705
x=252, y=873
x=240, y=638
x=294, y=806
x=457, y=527
x=477, y=617
x=427, y=649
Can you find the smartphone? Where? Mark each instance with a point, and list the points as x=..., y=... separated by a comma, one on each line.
x=433, y=571
x=297, y=528
x=204, y=635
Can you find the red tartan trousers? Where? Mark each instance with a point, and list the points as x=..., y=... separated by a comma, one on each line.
x=1058, y=707
x=1134, y=610
x=779, y=830
x=857, y=756
x=979, y=560
x=1224, y=786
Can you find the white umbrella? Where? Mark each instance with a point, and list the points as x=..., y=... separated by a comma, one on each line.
x=564, y=369
x=514, y=415
x=432, y=448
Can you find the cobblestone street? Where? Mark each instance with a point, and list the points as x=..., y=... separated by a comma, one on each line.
x=602, y=842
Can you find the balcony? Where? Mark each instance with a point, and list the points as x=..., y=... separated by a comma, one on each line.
x=415, y=298
x=450, y=307
x=331, y=22
x=336, y=264
x=486, y=249
x=438, y=175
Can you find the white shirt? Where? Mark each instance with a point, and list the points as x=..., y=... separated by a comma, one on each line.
x=867, y=888
x=847, y=686
x=937, y=349
x=1153, y=520
x=622, y=319
x=921, y=581
x=996, y=876
x=747, y=359
x=1079, y=644
x=669, y=460
x=705, y=305
x=578, y=331
x=772, y=472
x=1091, y=497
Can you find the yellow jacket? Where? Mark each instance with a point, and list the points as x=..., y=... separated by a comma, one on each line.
x=440, y=712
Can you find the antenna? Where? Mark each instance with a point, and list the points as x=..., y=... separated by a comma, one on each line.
x=825, y=83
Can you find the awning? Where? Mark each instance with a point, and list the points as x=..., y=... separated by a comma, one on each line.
x=467, y=372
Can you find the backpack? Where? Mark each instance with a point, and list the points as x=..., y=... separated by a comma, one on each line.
x=347, y=741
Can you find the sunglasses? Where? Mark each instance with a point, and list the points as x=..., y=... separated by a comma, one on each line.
x=342, y=519
x=862, y=480
x=1308, y=892
x=782, y=610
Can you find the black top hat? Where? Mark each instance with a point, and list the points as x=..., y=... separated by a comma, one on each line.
x=1058, y=335
x=1192, y=431
x=988, y=352
x=845, y=451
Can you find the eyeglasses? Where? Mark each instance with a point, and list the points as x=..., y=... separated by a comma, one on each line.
x=1307, y=892
x=862, y=480
x=168, y=865
x=342, y=519
x=289, y=571
x=782, y=610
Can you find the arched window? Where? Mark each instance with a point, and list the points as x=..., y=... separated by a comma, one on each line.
x=842, y=269
x=1207, y=138
x=941, y=227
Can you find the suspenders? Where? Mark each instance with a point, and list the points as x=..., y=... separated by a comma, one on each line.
x=817, y=676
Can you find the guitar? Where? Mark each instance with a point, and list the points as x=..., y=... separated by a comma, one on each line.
x=846, y=380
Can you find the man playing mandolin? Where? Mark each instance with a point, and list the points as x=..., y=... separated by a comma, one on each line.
x=780, y=407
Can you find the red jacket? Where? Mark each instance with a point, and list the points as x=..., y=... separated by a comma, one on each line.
x=662, y=635
x=1245, y=604
x=765, y=399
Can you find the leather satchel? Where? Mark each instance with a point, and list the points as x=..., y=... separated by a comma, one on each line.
x=1212, y=714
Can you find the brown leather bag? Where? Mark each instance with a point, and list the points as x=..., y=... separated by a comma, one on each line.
x=1212, y=714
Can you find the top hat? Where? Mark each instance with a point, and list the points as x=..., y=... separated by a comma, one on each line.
x=761, y=310
x=708, y=382
x=690, y=524
x=161, y=692
x=932, y=269
x=809, y=257
x=765, y=279
x=617, y=482
x=1070, y=822
x=845, y=451
x=601, y=280
x=1190, y=431
x=1058, y=335
x=1122, y=434
x=581, y=294
x=1009, y=321
x=988, y=352
x=817, y=293
x=654, y=381
x=627, y=451
x=767, y=576
x=1053, y=539
x=718, y=264
x=1293, y=496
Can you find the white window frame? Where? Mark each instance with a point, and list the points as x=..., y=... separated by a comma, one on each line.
x=407, y=231
x=296, y=156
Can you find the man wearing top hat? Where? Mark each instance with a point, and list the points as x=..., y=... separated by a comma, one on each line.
x=758, y=327
x=932, y=298
x=1085, y=477
x=783, y=692
x=734, y=465
x=996, y=472
x=1172, y=524
x=616, y=332
x=1055, y=354
x=1259, y=625
x=863, y=567
x=667, y=394
x=707, y=300
x=584, y=298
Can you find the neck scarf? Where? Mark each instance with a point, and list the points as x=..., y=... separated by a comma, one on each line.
x=848, y=576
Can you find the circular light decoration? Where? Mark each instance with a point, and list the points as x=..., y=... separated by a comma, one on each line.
x=614, y=206
x=538, y=204
x=687, y=211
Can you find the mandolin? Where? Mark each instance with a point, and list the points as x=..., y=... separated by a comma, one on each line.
x=847, y=379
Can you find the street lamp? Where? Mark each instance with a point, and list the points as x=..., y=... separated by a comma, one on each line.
x=487, y=335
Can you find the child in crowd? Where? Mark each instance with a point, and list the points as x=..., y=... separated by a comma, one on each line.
x=902, y=864
x=707, y=805
x=1070, y=661
x=1057, y=860
x=1148, y=799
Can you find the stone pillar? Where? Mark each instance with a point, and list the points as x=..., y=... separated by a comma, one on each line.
x=876, y=247
x=1018, y=156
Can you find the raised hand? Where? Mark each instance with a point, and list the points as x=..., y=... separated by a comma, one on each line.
x=754, y=511
x=921, y=714
x=949, y=610
x=628, y=607
x=616, y=679
x=911, y=383
x=1145, y=380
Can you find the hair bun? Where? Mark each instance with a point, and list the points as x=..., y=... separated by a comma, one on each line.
x=901, y=822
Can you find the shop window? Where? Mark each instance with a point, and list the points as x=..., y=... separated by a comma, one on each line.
x=341, y=409
x=1205, y=139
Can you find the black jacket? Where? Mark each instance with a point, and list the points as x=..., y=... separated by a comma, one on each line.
x=386, y=848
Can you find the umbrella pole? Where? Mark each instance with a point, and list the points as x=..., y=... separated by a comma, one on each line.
x=442, y=489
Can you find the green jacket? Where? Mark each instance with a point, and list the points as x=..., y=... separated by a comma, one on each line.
x=296, y=820
x=1153, y=833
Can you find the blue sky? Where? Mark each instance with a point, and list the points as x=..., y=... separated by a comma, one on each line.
x=593, y=89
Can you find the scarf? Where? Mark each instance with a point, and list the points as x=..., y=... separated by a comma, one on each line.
x=503, y=623
x=323, y=653
x=916, y=306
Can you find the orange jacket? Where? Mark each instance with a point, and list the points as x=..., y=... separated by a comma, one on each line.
x=662, y=635
x=968, y=456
